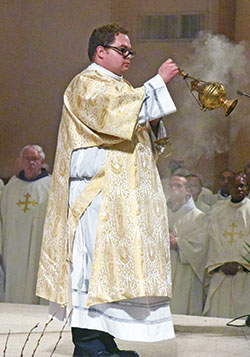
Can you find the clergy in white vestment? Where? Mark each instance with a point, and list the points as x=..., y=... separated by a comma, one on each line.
x=223, y=192
x=195, y=187
x=207, y=196
x=188, y=242
x=105, y=252
x=229, y=230
x=23, y=206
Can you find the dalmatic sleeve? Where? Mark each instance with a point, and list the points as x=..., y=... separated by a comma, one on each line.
x=106, y=106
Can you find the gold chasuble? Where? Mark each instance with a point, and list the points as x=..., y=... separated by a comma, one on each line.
x=131, y=256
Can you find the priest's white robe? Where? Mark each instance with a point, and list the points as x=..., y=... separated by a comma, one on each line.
x=207, y=196
x=229, y=229
x=188, y=261
x=202, y=206
x=145, y=319
x=23, y=207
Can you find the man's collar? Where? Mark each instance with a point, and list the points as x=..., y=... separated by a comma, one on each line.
x=186, y=207
x=238, y=204
x=223, y=194
x=43, y=173
x=98, y=67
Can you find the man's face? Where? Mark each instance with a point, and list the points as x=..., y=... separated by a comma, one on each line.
x=177, y=191
x=224, y=180
x=32, y=163
x=113, y=59
x=194, y=186
x=238, y=188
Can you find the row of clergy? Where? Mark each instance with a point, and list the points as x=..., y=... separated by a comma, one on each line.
x=210, y=257
x=208, y=233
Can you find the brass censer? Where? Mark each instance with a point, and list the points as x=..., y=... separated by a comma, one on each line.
x=211, y=95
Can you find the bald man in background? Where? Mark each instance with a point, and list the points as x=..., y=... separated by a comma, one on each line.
x=22, y=213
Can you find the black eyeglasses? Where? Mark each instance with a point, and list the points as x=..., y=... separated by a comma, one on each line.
x=123, y=51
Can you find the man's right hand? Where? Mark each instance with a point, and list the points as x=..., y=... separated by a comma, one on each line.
x=168, y=70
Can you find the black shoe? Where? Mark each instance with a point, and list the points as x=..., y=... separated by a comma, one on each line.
x=88, y=343
x=103, y=354
x=127, y=353
x=98, y=354
x=111, y=346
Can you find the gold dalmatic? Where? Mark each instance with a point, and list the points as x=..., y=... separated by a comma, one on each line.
x=131, y=228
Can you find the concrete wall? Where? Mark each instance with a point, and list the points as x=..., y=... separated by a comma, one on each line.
x=240, y=133
x=43, y=45
x=242, y=20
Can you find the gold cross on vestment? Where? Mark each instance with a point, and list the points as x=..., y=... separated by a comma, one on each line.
x=233, y=233
x=26, y=202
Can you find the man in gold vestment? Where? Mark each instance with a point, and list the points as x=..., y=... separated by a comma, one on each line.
x=105, y=252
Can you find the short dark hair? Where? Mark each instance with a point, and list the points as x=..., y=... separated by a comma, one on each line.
x=103, y=36
x=195, y=176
